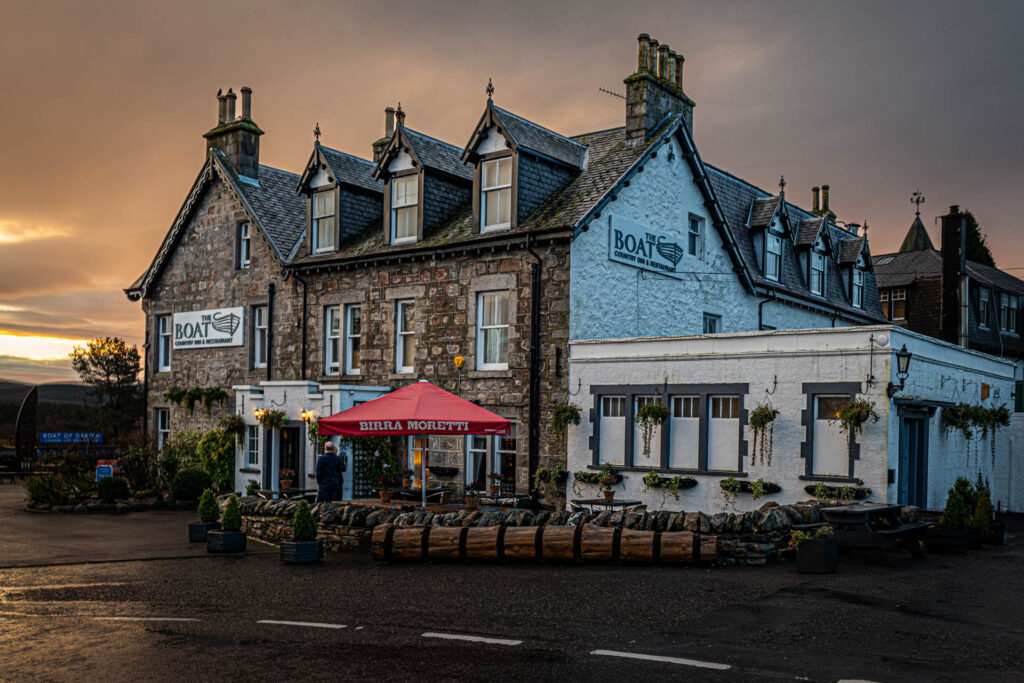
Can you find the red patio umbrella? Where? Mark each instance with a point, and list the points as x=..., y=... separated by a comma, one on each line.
x=420, y=408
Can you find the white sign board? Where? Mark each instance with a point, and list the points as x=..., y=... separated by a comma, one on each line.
x=206, y=329
x=640, y=247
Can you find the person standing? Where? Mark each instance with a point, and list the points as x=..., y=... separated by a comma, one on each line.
x=330, y=470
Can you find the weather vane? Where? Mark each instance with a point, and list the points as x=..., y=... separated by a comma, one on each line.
x=316, y=131
x=490, y=90
x=865, y=228
x=917, y=199
x=782, y=184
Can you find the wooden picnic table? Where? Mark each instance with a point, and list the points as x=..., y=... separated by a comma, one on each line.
x=875, y=526
x=608, y=504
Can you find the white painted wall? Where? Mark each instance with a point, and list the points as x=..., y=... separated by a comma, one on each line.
x=775, y=365
x=493, y=142
x=401, y=162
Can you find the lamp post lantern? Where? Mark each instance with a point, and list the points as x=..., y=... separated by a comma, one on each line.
x=902, y=370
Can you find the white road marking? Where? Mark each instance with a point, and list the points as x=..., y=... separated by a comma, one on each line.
x=360, y=628
x=144, y=619
x=854, y=680
x=473, y=639
x=658, y=658
x=312, y=624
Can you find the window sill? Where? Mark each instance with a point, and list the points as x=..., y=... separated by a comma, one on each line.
x=249, y=470
x=830, y=479
x=403, y=241
x=672, y=470
x=486, y=374
x=495, y=228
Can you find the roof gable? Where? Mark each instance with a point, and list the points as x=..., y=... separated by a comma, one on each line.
x=917, y=237
x=344, y=169
x=522, y=134
x=426, y=152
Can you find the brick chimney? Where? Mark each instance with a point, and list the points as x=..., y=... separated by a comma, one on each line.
x=815, y=205
x=824, y=199
x=654, y=91
x=238, y=139
x=954, y=278
x=389, y=128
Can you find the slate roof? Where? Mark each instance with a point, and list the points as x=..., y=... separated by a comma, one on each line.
x=917, y=237
x=903, y=269
x=808, y=231
x=351, y=170
x=437, y=154
x=763, y=211
x=994, y=277
x=532, y=137
x=850, y=251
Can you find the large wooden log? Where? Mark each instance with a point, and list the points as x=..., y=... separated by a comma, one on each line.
x=679, y=547
x=708, y=549
x=599, y=544
x=380, y=542
x=409, y=543
x=638, y=546
x=446, y=544
x=560, y=543
x=520, y=543
x=483, y=542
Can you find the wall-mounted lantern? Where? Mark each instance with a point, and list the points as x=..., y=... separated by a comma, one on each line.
x=902, y=365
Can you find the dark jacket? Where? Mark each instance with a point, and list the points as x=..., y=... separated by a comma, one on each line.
x=329, y=470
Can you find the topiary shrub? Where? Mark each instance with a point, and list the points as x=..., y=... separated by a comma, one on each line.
x=303, y=524
x=252, y=488
x=954, y=516
x=983, y=512
x=190, y=484
x=112, y=488
x=231, y=520
x=208, y=509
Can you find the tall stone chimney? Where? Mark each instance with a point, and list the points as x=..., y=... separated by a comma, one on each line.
x=815, y=205
x=654, y=91
x=824, y=199
x=954, y=278
x=389, y=129
x=236, y=139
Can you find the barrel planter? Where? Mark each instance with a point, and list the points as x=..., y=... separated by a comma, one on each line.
x=974, y=538
x=560, y=543
x=380, y=542
x=197, y=531
x=446, y=544
x=817, y=556
x=519, y=543
x=598, y=543
x=996, y=532
x=484, y=543
x=302, y=552
x=225, y=541
x=409, y=543
x=638, y=546
x=679, y=547
x=947, y=541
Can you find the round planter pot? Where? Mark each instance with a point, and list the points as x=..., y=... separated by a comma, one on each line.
x=818, y=556
x=946, y=541
x=225, y=541
x=197, y=531
x=495, y=489
x=385, y=496
x=302, y=552
x=996, y=531
x=287, y=484
x=609, y=494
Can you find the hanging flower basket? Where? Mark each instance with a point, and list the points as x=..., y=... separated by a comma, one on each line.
x=762, y=424
x=648, y=417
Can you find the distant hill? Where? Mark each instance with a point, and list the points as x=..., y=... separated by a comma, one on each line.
x=56, y=392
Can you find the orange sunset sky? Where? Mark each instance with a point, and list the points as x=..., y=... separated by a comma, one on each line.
x=103, y=105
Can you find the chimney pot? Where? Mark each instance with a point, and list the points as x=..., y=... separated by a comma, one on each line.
x=246, y=102
x=389, y=121
x=230, y=97
x=663, y=62
x=954, y=209
x=679, y=71
x=814, y=199
x=672, y=66
x=652, y=56
x=642, y=58
x=222, y=108
x=824, y=198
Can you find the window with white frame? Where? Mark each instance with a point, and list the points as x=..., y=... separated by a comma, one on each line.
x=772, y=256
x=695, y=237
x=613, y=430
x=324, y=221
x=404, y=208
x=1008, y=305
x=894, y=304
x=724, y=433
x=492, y=331
x=486, y=454
x=259, y=336
x=162, y=420
x=163, y=344
x=712, y=323
x=983, y=304
x=252, y=445
x=353, y=334
x=332, y=340
x=496, y=194
x=831, y=447
x=684, y=433
x=244, y=245
x=817, y=273
x=857, y=291
x=653, y=457
x=405, y=337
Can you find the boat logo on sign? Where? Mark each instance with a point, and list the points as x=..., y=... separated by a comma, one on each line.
x=638, y=246
x=226, y=322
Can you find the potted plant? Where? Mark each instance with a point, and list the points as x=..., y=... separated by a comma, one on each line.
x=495, y=485
x=385, y=488
x=209, y=513
x=951, y=535
x=852, y=417
x=304, y=547
x=473, y=495
x=287, y=478
x=990, y=530
x=406, y=478
x=565, y=414
x=229, y=538
x=648, y=417
x=818, y=554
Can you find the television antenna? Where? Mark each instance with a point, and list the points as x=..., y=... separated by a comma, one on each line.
x=606, y=91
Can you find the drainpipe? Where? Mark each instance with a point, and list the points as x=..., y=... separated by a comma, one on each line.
x=535, y=301
x=145, y=383
x=760, y=309
x=302, y=320
x=835, y=314
x=271, y=290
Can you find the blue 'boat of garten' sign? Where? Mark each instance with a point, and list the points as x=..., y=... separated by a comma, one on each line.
x=637, y=246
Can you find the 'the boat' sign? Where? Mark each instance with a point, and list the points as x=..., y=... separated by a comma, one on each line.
x=640, y=247
x=210, y=328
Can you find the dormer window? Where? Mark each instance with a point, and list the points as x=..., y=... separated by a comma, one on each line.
x=772, y=256
x=857, y=291
x=496, y=194
x=817, y=278
x=404, y=208
x=323, y=222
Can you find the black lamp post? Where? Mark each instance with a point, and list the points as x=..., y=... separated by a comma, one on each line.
x=902, y=363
